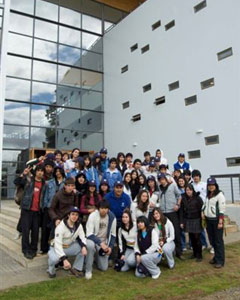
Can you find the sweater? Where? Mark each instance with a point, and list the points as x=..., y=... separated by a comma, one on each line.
x=146, y=245
x=169, y=196
x=214, y=208
x=126, y=239
x=169, y=230
x=136, y=212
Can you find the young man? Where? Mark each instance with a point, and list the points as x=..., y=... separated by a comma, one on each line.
x=150, y=170
x=58, y=158
x=69, y=241
x=128, y=160
x=112, y=174
x=104, y=160
x=159, y=154
x=147, y=158
x=101, y=235
x=32, y=202
x=181, y=164
x=137, y=166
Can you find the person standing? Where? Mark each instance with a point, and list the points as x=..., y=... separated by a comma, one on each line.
x=181, y=164
x=112, y=174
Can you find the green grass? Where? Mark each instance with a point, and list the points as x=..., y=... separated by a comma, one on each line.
x=189, y=280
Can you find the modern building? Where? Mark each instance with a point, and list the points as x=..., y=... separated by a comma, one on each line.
x=166, y=76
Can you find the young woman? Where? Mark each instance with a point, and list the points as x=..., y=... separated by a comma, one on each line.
x=96, y=163
x=81, y=185
x=153, y=194
x=190, y=219
x=165, y=230
x=126, y=241
x=188, y=176
x=77, y=168
x=104, y=188
x=126, y=187
x=89, y=202
x=59, y=176
x=213, y=211
x=181, y=183
x=134, y=184
x=121, y=165
x=90, y=172
x=141, y=206
x=142, y=182
x=70, y=164
x=147, y=250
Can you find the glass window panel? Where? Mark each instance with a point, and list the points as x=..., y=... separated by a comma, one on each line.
x=43, y=92
x=68, y=118
x=11, y=155
x=70, y=17
x=92, y=100
x=91, y=8
x=107, y=25
x=112, y=15
x=92, y=141
x=91, y=80
x=43, y=115
x=42, y=138
x=69, y=55
x=46, y=30
x=21, y=24
x=19, y=44
x=18, y=67
x=91, y=42
x=45, y=50
x=92, y=24
x=26, y=6
x=46, y=10
x=9, y=171
x=68, y=139
x=44, y=71
x=68, y=96
x=69, y=76
x=69, y=36
x=16, y=113
x=15, y=137
x=92, y=60
x=17, y=89
x=91, y=121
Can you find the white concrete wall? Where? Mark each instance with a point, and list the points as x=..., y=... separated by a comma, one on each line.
x=188, y=53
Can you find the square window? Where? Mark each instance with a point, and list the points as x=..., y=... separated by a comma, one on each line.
x=200, y=6
x=233, y=161
x=160, y=100
x=156, y=25
x=147, y=87
x=207, y=83
x=194, y=154
x=124, y=69
x=134, y=47
x=136, y=118
x=211, y=140
x=125, y=105
x=225, y=53
x=190, y=100
x=145, y=49
x=173, y=86
x=170, y=25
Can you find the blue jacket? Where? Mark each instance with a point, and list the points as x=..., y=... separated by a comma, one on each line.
x=185, y=166
x=51, y=189
x=117, y=205
x=112, y=177
x=72, y=173
x=104, y=165
x=92, y=174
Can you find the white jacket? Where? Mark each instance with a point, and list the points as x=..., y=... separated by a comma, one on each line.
x=201, y=187
x=136, y=212
x=153, y=248
x=129, y=236
x=64, y=237
x=215, y=206
x=169, y=229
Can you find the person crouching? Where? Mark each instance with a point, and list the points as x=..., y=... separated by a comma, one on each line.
x=69, y=241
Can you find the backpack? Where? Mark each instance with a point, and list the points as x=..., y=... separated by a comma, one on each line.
x=18, y=195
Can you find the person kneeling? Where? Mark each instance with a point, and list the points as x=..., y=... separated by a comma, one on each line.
x=101, y=236
x=69, y=241
x=147, y=251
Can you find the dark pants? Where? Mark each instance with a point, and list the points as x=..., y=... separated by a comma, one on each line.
x=46, y=229
x=196, y=244
x=19, y=225
x=173, y=217
x=30, y=224
x=216, y=237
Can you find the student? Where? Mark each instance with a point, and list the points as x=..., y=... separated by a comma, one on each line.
x=90, y=172
x=89, y=202
x=69, y=241
x=112, y=174
x=31, y=204
x=141, y=206
x=166, y=235
x=176, y=174
x=104, y=188
x=121, y=165
x=150, y=170
x=58, y=158
x=128, y=160
x=126, y=185
x=134, y=184
x=188, y=176
x=101, y=236
x=96, y=163
x=77, y=168
x=126, y=241
x=70, y=164
x=181, y=183
x=159, y=154
x=153, y=194
x=147, y=250
x=181, y=164
x=190, y=219
x=147, y=158
x=142, y=182
x=59, y=176
x=65, y=158
x=81, y=186
x=164, y=170
x=213, y=210
x=104, y=160
x=170, y=200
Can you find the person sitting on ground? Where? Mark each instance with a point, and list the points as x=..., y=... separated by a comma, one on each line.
x=101, y=236
x=69, y=241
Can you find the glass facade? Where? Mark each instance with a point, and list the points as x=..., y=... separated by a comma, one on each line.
x=54, y=78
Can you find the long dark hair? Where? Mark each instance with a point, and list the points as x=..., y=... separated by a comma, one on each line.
x=118, y=156
x=190, y=187
x=215, y=193
x=163, y=220
x=90, y=163
x=143, y=219
x=136, y=180
x=127, y=211
x=100, y=190
x=143, y=206
x=61, y=171
x=185, y=182
x=155, y=184
x=73, y=151
x=124, y=182
x=88, y=195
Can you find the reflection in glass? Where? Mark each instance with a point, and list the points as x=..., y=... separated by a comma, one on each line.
x=15, y=137
x=70, y=17
x=91, y=8
x=92, y=61
x=46, y=10
x=45, y=50
x=69, y=76
x=17, y=89
x=107, y=25
x=46, y=30
x=43, y=115
x=91, y=80
x=89, y=42
x=9, y=171
x=92, y=24
x=68, y=118
x=44, y=71
x=91, y=121
x=18, y=67
x=68, y=96
x=10, y=155
x=19, y=44
x=42, y=138
x=69, y=55
x=43, y=92
x=68, y=139
x=16, y=113
x=112, y=15
x=26, y=6
x=21, y=24
x=92, y=100
x=69, y=36
x=92, y=141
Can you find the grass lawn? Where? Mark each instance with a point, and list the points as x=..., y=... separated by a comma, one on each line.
x=189, y=280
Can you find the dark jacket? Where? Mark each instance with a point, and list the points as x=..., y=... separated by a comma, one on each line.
x=190, y=208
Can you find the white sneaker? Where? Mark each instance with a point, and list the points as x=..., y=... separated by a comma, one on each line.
x=203, y=247
x=156, y=276
x=184, y=249
x=88, y=275
x=212, y=250
x=17, y=236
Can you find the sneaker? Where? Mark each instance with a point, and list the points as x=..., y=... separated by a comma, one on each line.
x=17, y=236
x=51, y=275
x=156, y=276
x=212, y=262
x=212, y=251
x=203, y=247
x=184, y=249
x=76, y=272
x=28, y=255
x=88, y=275
x=218, y=266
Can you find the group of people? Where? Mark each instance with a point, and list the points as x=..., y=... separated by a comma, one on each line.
x=130, y=213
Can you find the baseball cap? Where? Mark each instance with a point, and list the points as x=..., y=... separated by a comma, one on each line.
x=118, y=183
x=211, y=180
x=92, y=183
x=103, y=150
x=161, y=175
